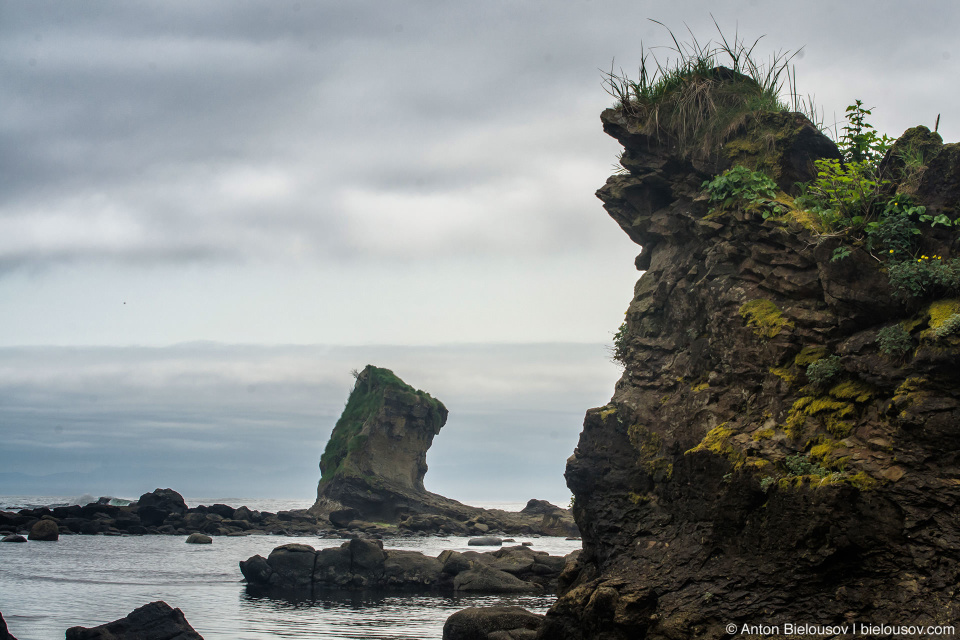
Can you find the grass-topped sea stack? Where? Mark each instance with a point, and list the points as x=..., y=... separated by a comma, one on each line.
x=376, y=458
x=784, y=443
x=373, y=466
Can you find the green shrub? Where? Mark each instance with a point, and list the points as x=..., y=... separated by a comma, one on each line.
x=740, y=186
x=894, y=341
x=802, y=466
x=925, y=276
x=824, y=370
x=618, y=353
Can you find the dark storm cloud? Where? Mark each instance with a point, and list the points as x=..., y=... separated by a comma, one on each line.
x=208, y=418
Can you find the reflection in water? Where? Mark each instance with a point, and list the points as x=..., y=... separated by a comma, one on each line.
x=374, y=615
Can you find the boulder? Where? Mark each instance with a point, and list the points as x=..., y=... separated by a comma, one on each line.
x=13, y=537
x=256, y=570
x=198, y=538
x=453, y=562
x=343, y=517
x=154, y=507
x=489, y=580
x=539, y=507
x=485, y=541
x=45, y=530
x=154, y=621
x=4, y=634
x=243, y=513
x=292, y=565
x=411, y=569
x=491, y=623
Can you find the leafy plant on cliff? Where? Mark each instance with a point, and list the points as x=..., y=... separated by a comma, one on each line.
x=619, y=350
x=742, y=187
x=894, y=341
x=824, y=370
x=925, y=276
x=694, y=101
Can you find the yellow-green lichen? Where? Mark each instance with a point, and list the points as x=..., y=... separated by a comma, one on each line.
x=763, y=434
x=852, y=390
x=765, y=318
x=716, y=441
x=809, y=355
x=831, y=412
x=637, y=498
x=786, y=375
x=606, y=413
x=941, y=310
x=822, y=452
x=700, y=387
x=862, y=481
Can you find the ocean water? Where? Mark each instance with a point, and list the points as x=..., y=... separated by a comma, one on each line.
x=46, y=587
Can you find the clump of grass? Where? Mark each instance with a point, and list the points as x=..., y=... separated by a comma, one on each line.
x=707, y=92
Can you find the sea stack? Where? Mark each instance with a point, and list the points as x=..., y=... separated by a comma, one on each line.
x=373, y=466
x=374, y=463
x=770, y=453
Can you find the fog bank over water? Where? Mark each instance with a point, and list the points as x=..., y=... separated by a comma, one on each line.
x=213, y=419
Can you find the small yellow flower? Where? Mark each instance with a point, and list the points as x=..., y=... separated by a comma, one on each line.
x=891, y=250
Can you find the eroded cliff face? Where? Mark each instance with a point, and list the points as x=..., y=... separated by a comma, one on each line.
x=720, y=485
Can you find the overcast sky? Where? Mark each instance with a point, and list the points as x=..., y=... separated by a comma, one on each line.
x=350, y=173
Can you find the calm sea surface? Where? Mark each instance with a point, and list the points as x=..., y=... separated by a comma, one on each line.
x=46, y=587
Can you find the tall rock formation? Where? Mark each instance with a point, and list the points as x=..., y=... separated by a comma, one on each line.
x=376, y=457
x=374, y=463
x=723, y=485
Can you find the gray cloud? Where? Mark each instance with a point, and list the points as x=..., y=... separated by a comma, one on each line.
x=250, y=131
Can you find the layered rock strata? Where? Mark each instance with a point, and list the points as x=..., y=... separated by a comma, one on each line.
x=722, y=485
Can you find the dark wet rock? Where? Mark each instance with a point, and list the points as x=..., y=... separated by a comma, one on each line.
x=198, y=538
x=292, y=565
x=343, y=517
x=154, y=507
x=364, y=564
x=485, y=579
x=256, y=570
x=485, y=541
x=14, y=537
x=154, y=621
x=45, y=529
x=492, y=623
x=4, y=634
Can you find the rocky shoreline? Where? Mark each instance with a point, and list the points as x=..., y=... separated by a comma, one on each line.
x=164, y=512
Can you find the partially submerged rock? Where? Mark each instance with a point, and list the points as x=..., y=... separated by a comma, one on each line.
x=198, y=538
x=154, y=621
x=365, y=564
x=492, y=623
x=45, y=529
